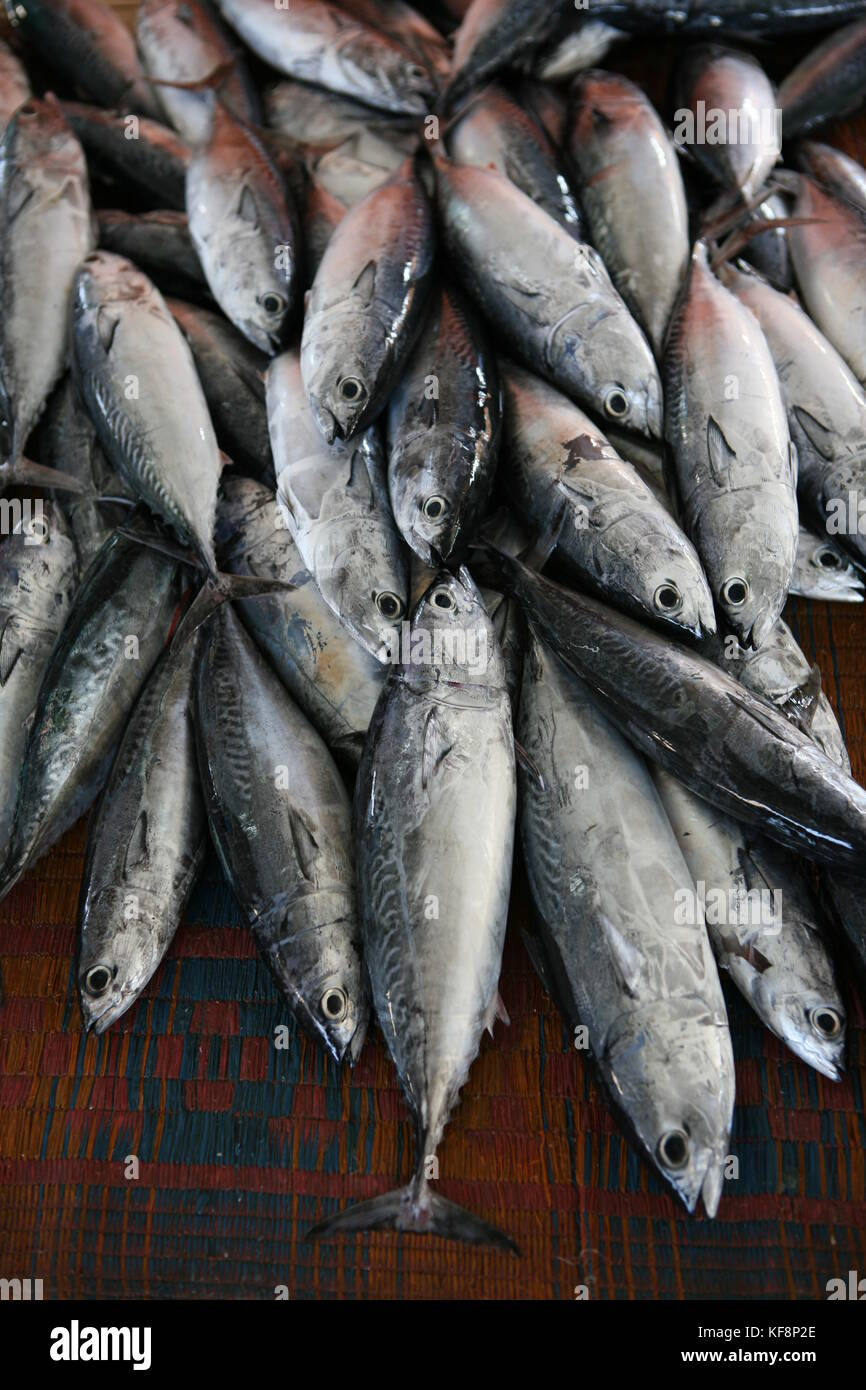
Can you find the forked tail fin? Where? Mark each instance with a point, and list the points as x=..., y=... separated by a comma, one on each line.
x=404, y=1210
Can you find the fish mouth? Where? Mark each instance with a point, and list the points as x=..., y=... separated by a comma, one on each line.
x=327, y=422
x=711, y=1187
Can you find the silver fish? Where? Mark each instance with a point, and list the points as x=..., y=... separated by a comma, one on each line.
x=565, y=480
x=840, y=175
x=159, y=244
x=355, y=168
x=828, y=83
x=632, y=194
x=335, y=504
x=829, y=255
x=410, y=29
x=769, y=252
x=45, y=231
x=765, y=927
x=134, y=151
x=582, y=48
x=493, y=34
x=605, y=872
x=158, y=435
x=282, y=823
x=726, y=426
x=145, y=847
x=323, y=214
x=710, y=80
x=316, y=119
x=823, y=571
x=14, y=85
x=434, y=820
x=549, y=296
x=366, y=305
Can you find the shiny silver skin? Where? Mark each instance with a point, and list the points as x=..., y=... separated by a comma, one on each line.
x=232, y=375
x=409, y=28
x=335, y=504
x=159, y=244
x=37, y=586
x=493, y=132
x=112, y=637
x=434, y=825
x=727, y=430
x=549, y=296
x=333, y=679
x=726, y=80
x=694, y=720
x=145, y=846
x=582, y=48
x=14, y=85
x=444, y=426
x=605, y=872
x=245, y=229
x=45, y=230
x=161, y=441
x=770, y=944
x=565, y=481
x=825, y=402
x=154, y=162
x=829, y=255
x=823, y=571
x=318, y=42
x=632, y=195
x=367, y=303
x=828, y=83
x=841, y=175
x=356, y=167
x=738, y=16
x=183, y=41
x=281, y=821
x=769, y=253
x=495, y=33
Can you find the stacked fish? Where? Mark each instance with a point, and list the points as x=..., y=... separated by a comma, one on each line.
x=389, y=321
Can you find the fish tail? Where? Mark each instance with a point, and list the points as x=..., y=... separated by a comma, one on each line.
x=413, y=1208
x=23, y=472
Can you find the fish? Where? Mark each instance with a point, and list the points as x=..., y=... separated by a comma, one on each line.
x=493, y=34
x=826, y=407
x=132, y=151
x=567, y=482
x=409, y=28
x=828, y=250
x=281, y=821
x=547, y=106
x=727, y=430
x=114, y=632
x=334, y=501
x=444, y=427
x=145, y=847
x=548, y=296
x=137, y=377
x=45, y=231
x=827, y=84
x=719, y=86
x=38, y=580
x=823, y=571
x=765, y=927
x=632, y=195
x=768, y=252
x=754, y=764
x=245, y=229
x=319, y=43
x=434, y=826
x=159, y=244
x=356, y=167
x=492, y=131
x=322, y=215
x=585, y=46
x=738, y=16
x=14, y=85
x=183, y=41
x=89, y=45
x=605, y=875
x=319, y=120
x=232, y=374
x=366, y=306
x=329, y=675
x=840, y=175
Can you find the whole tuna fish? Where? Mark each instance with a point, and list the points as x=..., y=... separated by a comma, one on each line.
x=320, y=43
x=158, y=435
x=726, y=426
x=330, y=675
x=840, y=175
x=567, y=482
x=829, y=254
x=14, y=85
x=367, y=303
x=444, y=423
x=828, y=83
x=133, y=151
x=335, y=504
x=632, y=194
x=281, y=821
x=549, y=296
x=245, y=230
x=434, y=813
x=605, y=875
x=765, y=927
x=38, y=579
x=695, y=721
x=493, y=33
x=112, y=637
x=728, y=116
x=823, y=571
x=45, y=230
x=145, y=847
x=159, y=244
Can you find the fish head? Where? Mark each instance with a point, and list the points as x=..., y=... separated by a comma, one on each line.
x=751, y=586
x=339, y=387
x=629, y=390
x=452, y=634
x=407, y=84
x=436, y=501
x=38, y=133
x=105, y=279
x=675, y=590
x=118, y=953
x=318, y=962
x=811, y=1020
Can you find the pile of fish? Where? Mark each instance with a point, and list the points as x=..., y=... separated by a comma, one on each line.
x=410, y=440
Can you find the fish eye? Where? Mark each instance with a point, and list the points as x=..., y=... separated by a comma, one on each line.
x=616, y=404
x=434, y=508
x=444, y=600
x=389, y=605
x=97, y=980
x=273, y=304
x=335, y=1004
x=673, y=1149
x=827, y=558
x=735, y=591
x=667, y=598
x=35, y=527
x=825, y=1021
x=417, y=73
x=351, y=389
